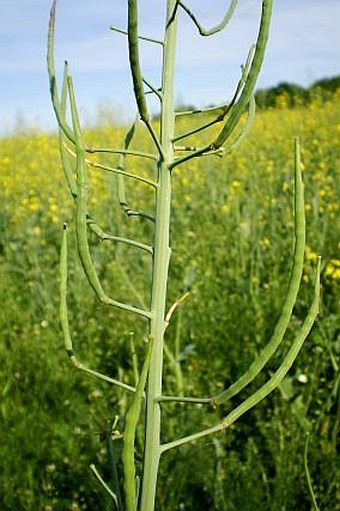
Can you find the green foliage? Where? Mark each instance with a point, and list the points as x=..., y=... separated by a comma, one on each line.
x=55, y=421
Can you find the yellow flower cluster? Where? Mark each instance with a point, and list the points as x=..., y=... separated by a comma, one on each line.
x=32, y=192
x=332, y=270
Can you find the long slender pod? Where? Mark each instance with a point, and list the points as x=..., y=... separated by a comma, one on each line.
x=293, y=287
x=52, y=76
x=81, y=204
x=134, y=60
x=65, y=157
x=131, y=421
x=136, y=72
x=231, y=146
x=63, y=293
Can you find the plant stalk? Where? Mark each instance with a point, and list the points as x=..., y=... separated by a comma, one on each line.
x=160, y=269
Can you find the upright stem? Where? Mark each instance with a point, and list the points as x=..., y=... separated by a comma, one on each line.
x=160, y=270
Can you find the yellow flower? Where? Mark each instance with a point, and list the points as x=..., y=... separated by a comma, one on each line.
x=265, y=242
x=310, y=255
x=332, y=269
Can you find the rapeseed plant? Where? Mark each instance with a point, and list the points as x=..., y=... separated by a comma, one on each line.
x=222, y=134
x=244, y=198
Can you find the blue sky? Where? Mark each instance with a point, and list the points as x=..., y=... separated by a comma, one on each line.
x=304, y=46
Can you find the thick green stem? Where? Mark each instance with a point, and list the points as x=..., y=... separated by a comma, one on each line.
x=160, y=271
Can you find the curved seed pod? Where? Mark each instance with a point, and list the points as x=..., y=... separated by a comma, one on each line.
x=207, y=32
x=81, y=228
x=134, y=60
x=254, y=71
x=63, y=293
x=81, y=203
x=82, y=218
x=65, y=158
x=52, y=77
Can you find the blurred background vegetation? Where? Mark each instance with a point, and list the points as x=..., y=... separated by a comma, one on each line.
x=232, y=242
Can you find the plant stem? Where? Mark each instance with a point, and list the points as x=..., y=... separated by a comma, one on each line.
x=160, y=270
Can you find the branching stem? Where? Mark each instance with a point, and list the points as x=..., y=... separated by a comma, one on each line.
x=76, y=164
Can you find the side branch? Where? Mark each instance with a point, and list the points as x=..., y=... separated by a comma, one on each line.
x=308, y=476
x=184, y=399
x=126, y=152
x=105, y=486
x=104, y=236
x=140, y=37
x=153, y=90
x=116, y=170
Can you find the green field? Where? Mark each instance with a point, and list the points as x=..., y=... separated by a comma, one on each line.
x=231, y=247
